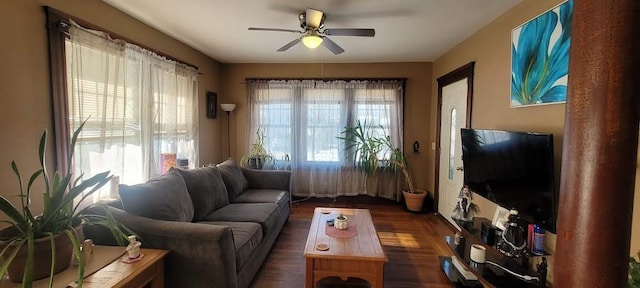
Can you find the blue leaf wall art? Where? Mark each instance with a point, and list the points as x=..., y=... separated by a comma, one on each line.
x=540, y=58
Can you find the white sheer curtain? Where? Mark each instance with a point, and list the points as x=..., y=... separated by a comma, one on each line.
x=302, y=120
x=138, y=105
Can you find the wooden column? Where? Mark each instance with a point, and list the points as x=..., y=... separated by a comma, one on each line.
x=600, y=145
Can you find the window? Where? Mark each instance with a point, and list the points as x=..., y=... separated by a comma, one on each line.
x=137, y=106
x=302, y=119
x=324, y=110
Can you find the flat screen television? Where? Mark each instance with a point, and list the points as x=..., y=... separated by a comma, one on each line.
x=514, y=170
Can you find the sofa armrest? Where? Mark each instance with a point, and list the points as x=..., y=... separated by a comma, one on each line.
x=200, y=254
x=268, y=179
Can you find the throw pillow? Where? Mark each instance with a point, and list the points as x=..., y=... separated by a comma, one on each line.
x=207, y=190
x=161, y=198
x=233, y=178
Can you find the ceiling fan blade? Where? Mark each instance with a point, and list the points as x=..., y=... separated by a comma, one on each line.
x=332, y=46
x=364, y=32
x=314, y=17
x=289, y=45
x=274, y=30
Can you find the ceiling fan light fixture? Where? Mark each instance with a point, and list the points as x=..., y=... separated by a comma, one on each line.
x=312, y=41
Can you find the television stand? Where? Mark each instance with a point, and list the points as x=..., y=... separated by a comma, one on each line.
x=488, y=274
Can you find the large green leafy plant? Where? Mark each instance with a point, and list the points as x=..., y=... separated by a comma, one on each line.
x=62, y=213
x=370, y=151
x=363, y=146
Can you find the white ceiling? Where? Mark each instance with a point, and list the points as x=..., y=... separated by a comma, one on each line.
x=406, y=30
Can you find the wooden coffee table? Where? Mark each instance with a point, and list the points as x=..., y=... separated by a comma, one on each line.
x=360, y=256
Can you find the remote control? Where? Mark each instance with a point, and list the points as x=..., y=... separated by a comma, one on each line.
x=466, y=274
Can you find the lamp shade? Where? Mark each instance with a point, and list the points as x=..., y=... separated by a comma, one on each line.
x=228, y=107
x=311, y=41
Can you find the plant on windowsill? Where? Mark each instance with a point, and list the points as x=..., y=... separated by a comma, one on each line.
x=258, y=156
x=38, y=246
x=370, y=151
x=634, y=272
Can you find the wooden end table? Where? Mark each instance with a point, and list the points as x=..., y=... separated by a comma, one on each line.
x=149, y=270
x=360, y=256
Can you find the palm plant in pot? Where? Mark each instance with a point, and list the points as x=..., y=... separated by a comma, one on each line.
x=370, y=151
x=364, y=147
x=57, y=232
x=413, y=198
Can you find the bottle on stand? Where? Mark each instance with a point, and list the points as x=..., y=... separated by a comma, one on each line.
x=538, y=240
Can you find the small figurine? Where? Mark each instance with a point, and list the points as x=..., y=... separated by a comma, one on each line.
x=133, y=249
x=513, y=242
x=465, y=209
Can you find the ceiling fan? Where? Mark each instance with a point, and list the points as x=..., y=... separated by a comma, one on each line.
x=314, y=34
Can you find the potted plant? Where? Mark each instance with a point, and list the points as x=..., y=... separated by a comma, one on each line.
x=371, y=151
x=341, y=222
x=58, y=230
x=258, y=156
x=364, y=147
x=413, y=198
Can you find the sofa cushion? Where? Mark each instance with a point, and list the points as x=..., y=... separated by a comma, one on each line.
x=206, y=188
x=265, y=214
x=279, y=197
x=246, y=237
x=161, y=198
x=233, y=178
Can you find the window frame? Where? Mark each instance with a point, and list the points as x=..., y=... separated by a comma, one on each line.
x=296, y=100
x=58, y=23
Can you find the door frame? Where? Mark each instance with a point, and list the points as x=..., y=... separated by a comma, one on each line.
x=465, y=71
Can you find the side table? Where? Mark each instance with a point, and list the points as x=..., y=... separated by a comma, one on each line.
x=149, y=270
x=107, y=270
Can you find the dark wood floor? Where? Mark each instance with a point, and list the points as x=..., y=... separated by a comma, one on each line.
x=411, y=241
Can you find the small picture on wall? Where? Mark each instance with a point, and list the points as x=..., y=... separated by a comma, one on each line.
x=540, y=58
x=212, y=106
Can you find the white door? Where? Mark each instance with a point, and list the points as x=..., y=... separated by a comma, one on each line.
x=453, y=117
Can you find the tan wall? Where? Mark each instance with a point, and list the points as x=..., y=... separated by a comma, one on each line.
x=417, y=104
x=490, y=49
x=25, y=105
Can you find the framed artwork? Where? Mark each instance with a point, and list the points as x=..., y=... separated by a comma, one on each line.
x=212, y=105
x=540, y=58
x=500, y=217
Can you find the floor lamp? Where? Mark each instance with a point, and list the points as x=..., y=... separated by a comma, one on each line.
x=228, y=108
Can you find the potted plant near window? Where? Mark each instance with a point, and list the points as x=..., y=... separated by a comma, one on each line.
x=258, y=156
x=371, y=151
x=413, y=197
x=38, y=246
x=363, y=147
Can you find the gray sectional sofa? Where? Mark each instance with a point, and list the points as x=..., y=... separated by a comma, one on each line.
x=219, y=222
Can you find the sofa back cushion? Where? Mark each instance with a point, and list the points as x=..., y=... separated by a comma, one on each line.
x=207, y=190
x=161, y=198
x=233, y=178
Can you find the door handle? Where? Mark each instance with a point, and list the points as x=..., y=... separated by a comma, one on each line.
x=459, y=168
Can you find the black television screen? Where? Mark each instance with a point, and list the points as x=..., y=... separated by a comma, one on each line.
x=514, y=170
